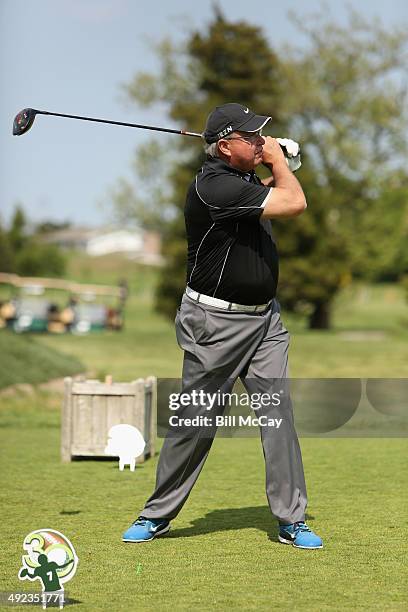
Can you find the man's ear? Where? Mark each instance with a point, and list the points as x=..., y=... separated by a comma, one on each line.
x=223, y=147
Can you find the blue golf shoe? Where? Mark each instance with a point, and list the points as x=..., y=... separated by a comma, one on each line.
x=144, y=530
x=299, y=535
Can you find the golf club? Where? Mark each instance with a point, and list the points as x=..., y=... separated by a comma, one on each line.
x=25, y=119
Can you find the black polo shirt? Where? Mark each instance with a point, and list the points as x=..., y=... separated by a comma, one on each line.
x=231, y=253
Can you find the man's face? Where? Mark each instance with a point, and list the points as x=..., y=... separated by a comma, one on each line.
x=243, y=150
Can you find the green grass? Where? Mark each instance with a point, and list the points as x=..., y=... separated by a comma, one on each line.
x=24, y=360
x=369, y=337
x=222, y=551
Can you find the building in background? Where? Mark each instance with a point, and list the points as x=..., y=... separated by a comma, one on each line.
x=115, y=241
x=139, y=245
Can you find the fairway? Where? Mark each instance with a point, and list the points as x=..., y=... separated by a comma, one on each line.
x=222, y=551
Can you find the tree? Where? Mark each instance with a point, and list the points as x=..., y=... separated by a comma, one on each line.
x=381, y=253
x=23, y=252
x=347, y=104
x=314, y=257
x=46, y=227
x=343, y=98
x=37, y=259
x=6, y=254
x=17, y=232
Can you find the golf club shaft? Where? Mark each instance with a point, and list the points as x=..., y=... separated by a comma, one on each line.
x=25, y=119
x=134, y=125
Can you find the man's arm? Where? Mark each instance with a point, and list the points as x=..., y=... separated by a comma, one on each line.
x=286, y=199
x=268, y=182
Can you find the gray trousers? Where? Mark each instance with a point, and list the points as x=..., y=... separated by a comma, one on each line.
x=220, y=346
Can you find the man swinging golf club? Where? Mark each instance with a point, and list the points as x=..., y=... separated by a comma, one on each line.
x=228, y=323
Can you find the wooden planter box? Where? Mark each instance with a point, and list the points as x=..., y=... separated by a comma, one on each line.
x=91, y=407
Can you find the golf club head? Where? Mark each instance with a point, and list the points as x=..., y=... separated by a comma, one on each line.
x=23, y=121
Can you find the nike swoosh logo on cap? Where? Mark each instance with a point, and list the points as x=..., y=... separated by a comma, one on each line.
x=246, y=110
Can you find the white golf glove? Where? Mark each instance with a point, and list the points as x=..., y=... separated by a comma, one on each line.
x=292, y=153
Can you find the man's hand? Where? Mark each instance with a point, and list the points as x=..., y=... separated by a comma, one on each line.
x=292, y=154
x=286, y=199
x=271, y=152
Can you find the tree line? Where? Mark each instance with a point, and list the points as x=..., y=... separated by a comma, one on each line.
x=23, y=251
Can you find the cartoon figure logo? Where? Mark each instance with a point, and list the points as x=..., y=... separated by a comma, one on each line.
x=50, y=558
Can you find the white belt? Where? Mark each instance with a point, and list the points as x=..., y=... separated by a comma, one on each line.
x=211, y=301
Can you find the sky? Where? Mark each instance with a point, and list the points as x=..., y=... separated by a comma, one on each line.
x=74, y=57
